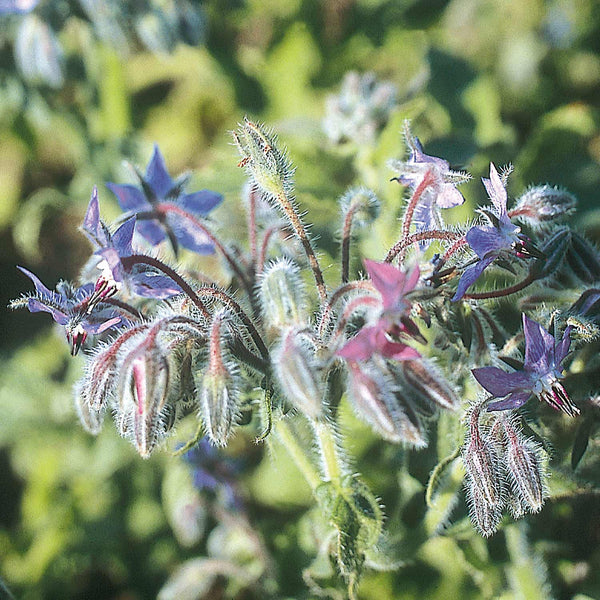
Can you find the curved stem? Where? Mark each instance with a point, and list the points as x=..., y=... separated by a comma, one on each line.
x=456, y=246
x=167, y=207
x=503, y=292
x=346, y=239
x=129, y=261
x=124, y=306
x=239, y=311
x=290, y=212
x=264, y=246
x=336, y=296
x=421, y=236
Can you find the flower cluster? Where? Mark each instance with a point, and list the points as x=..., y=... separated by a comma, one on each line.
x=414, y=337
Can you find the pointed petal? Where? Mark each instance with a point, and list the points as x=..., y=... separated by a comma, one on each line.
x=129, y=197
x=391, y=282
x=484, y=239
x=189, y=236
x=122, y=237
x=151, y=230
x=362, y=346
x=515, y=400
x=153, y=285
x=40, y=288
x=470, y=276
x=92, y=225
x=539, y=346
x=562, y=348
x=449, y=196
x=499, y=383
x=95, y=328
x=496, y=190
x=34, y=305
x=200, y=203
x=157, y=175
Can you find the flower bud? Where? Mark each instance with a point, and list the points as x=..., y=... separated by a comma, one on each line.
x=283, y=296
x=299, y=373
x=218, y=388
x=525, y=468
x=363, y=204
x=541, y=205
x=268, y=167
x=90, y=418
x=374, y=397
x=424, y=379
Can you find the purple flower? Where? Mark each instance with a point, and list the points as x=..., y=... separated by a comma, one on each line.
x=539, y=375
x=78, y=310
x=113, y=248
x=383, y=338
x=490, y=242
x=161, y=207
x=441, y=191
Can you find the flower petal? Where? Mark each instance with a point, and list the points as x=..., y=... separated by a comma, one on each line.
x=496, y=191
x=153, y=285
x=129, y=197
x=151, y=230
x=499, y=383
x=157, y=175
x=449, y=196
x=189, y=236
x=34, y=305
x=515, y=400
x=122, y=237
x=562, y=348
x=392, y=283
x=200, y=203
x=484, y=239
x=362, y=346
x=92, y=226
x=539, y=347
x=470, y=276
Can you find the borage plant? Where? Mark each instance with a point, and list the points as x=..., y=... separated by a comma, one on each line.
x=420, y=337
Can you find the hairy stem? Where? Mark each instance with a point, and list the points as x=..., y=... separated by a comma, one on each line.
x=513, y=289
x=412, y=205
x=331, y=461
x=436, y=234
x=134, y=259
x=299, y=229
x=336, y=296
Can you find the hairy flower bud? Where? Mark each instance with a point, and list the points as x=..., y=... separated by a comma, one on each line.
x=374, y=398
x=283, y=296
x=90, y=418
x=218, y=386
x=427, y=382
x=268, y=167
x=362, y=203
x=299, y=374
x=484, y=483
x=525, y=467
x=541, y=205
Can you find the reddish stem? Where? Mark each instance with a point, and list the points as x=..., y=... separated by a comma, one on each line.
x=337, y=295
x=420, y=237
x=503, y=292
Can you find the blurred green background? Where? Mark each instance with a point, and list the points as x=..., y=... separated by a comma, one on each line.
x=510, y=81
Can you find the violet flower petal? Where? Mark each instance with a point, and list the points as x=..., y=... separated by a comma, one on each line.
x=200, y=203
x=34, y=305
x=496, y=190
x=514, y=400
x=151, y=231
x=189, y=236
x=539, y=347
x=157, y=175
x=484, y=239
x=129, y=197
x=562, y=348
x=92, y=226
x=499, y=383
x=471, y=275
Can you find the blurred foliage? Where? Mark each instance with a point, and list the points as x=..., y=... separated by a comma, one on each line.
x=84, y=518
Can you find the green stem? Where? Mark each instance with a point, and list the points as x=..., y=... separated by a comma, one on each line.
x=332, y=464
x=289, y=441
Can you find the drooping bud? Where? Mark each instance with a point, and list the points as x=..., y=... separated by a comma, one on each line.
x=484, y=483
x=525, y=467
x=543, y=205
x=90, y=418
x=373, y=396
x=283, y=295
x=218, y=387
x=299, y=373
x=362, y=204
x=268, y=167
x=427, y=382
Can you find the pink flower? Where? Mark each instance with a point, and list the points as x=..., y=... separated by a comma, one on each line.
x=384, y=337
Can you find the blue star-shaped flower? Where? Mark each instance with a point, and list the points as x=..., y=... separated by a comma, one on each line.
x=112, y=248
x=539, y=375
x=79, y=310
x=160, y=206
x=489, y=242
x=440, y=193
